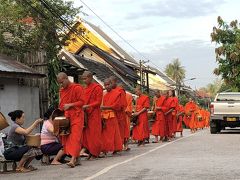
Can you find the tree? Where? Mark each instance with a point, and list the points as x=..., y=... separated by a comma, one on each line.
x=212, y=88
x=227, y=38
x=36, y=25
x=175, y=71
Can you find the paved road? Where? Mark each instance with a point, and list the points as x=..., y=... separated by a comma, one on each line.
x=195, y=156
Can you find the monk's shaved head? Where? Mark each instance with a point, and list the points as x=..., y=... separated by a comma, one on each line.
x=62, y=75
x=157, y=93
x=113, y=81
x=63, y=80
x=138, y=90
x=87, y=77
x=108, y=84
x=107, y=80
x=87, y=74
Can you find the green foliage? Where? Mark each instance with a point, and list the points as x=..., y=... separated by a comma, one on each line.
x=183, y=99
x=227, y=38
x=175, y=71
x=204, y=103
x=31, y=25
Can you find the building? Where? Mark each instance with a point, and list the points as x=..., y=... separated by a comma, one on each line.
x=91, y=43
x=14, y=93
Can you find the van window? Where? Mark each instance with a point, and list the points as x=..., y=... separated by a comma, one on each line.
x=228, y=97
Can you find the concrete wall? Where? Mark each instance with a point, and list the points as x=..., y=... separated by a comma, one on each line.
x=14, y=96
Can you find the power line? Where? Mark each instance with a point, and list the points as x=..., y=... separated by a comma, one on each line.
x=122, y=37
x=114, y=31
x=54, y=12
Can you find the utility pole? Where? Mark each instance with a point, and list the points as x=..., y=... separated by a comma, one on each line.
x=143, y=75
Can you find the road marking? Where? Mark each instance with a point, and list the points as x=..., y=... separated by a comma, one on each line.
x=105, y=170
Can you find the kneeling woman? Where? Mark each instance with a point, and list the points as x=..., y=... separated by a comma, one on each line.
x=18, y=150
x=49, y=143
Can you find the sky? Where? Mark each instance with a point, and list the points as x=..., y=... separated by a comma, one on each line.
x=162, y=30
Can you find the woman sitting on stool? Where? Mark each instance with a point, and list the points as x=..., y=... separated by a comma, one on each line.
x=18, y=150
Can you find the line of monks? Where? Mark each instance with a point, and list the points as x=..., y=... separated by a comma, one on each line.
x=100, y=120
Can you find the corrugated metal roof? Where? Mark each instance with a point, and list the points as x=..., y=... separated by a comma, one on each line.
x=8, y=65
x=164, y=76
x=111, y=42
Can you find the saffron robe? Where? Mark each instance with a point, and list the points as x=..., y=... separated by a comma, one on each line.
x=111, y=138
x=201, y=122
x=72, y=94
x=128, y=112
x=141, y=130
x=174, y=114
x=120, y=113
x=158, y=127
x=169, y=104
x=92, y=140
x=190, y=109
x=180, y=118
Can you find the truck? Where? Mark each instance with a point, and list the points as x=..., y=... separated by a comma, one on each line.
x=225, y=111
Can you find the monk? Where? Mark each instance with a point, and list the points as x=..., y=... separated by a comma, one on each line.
x=128, y=112
x=158, y=127
x=207, y=122
x=197, y=118
x=141, y=130
x=71, y=102
x=170, y=105
x=111, y=138
x=93, y=94
x=121, y=115
x=180, y=115
x=174, y=112
x=190, y=109
x=197, y=115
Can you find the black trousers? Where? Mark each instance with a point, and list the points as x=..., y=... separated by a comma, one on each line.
x=15, y=153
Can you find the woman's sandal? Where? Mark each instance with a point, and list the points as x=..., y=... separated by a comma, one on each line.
x=22, y=170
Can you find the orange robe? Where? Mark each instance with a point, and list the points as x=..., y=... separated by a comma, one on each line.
x=169, y=104
x=174, y=114
x=208, y=114
x=158, y=127
x=201, y=122
x=197, y=113
x=180, y=118
x=128, y=111
x=111, y=138
x=73, y=94
x=120, y=113
x=92, y=140
x=190, y=109
x=141, y=130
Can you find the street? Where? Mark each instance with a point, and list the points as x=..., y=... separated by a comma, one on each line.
x=195, y=156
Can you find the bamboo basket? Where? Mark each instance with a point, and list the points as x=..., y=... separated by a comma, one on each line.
x=33, y=140
x=3, y=122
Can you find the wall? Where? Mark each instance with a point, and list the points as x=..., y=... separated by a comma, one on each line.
x=14, y=97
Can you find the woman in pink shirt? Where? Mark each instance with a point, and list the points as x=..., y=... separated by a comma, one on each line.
x=49, y=143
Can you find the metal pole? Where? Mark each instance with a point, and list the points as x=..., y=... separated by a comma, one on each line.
x=140, y=69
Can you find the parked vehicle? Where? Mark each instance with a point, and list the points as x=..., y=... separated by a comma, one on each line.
x=225, y=111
